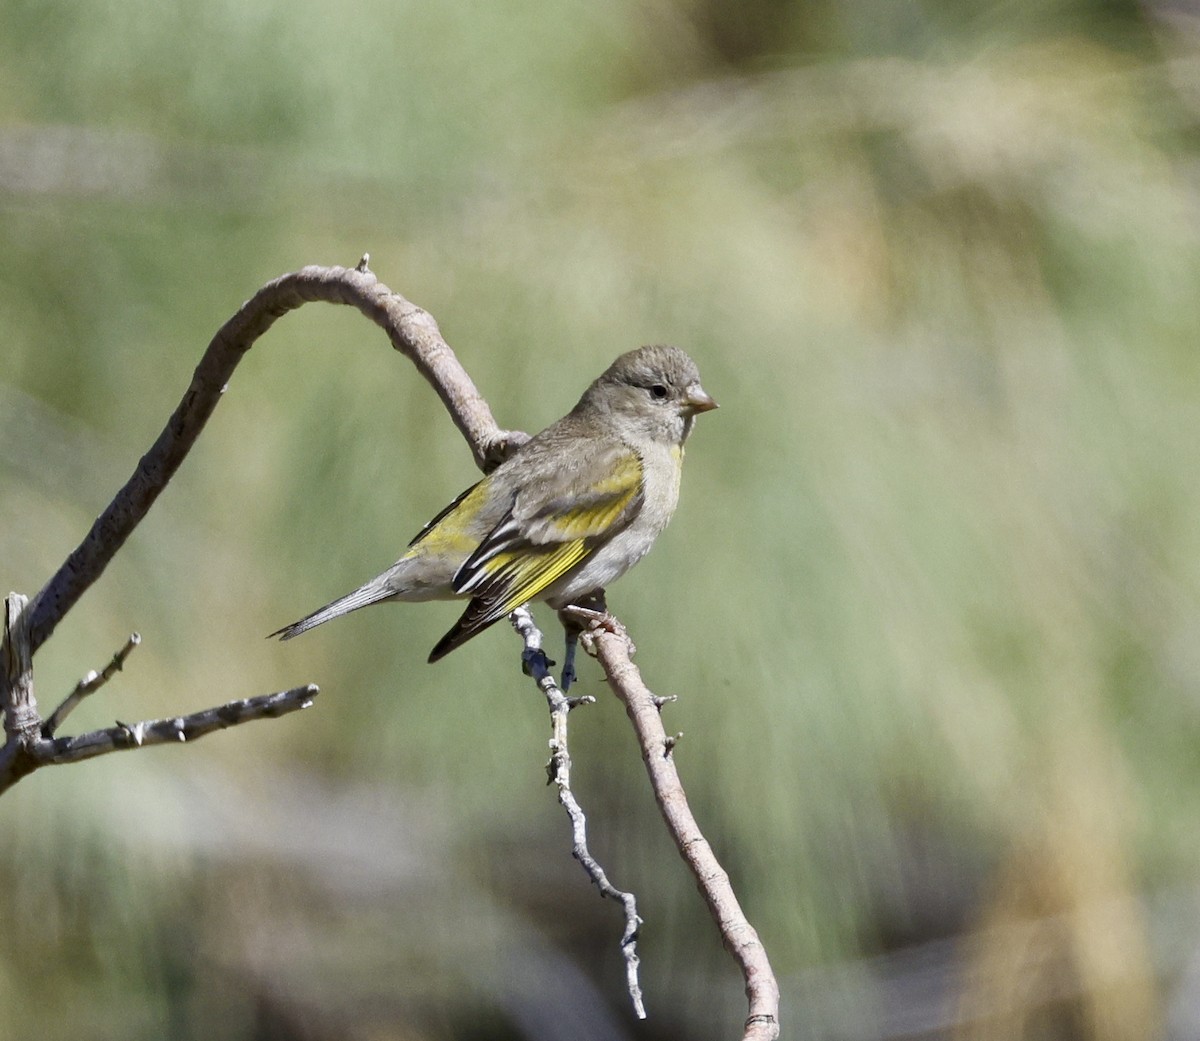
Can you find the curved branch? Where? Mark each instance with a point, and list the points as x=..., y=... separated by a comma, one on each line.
x=412, y=331
x=608, y=641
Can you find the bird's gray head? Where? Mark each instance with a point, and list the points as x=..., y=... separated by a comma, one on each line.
x=655, y=388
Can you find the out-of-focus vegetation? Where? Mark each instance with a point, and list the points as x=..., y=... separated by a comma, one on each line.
x=930, y=601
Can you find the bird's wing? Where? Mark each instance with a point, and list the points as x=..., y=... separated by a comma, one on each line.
x=553, y=526
x=460, y=501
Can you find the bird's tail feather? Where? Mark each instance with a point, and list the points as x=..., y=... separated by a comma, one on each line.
x=371, y=593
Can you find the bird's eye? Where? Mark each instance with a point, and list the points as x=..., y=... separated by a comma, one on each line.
x=658, y=392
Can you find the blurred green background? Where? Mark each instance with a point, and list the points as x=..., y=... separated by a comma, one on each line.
x=930, y=600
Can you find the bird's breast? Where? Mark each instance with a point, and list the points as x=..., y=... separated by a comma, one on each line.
x=660, y=494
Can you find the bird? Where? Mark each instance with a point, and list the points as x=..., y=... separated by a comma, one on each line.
x=568, y=513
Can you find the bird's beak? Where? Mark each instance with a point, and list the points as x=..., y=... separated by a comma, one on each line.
x=698, y=400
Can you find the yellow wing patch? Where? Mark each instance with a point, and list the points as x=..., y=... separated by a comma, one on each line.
x=448, y=532
x=588, y=508
x=521, y=575
x=513, y=578
x=548, y=533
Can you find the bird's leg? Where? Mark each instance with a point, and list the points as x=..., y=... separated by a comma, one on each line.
x=568, y=669
x=586, y=612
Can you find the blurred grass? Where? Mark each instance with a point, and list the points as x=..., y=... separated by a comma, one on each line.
x=930, y=599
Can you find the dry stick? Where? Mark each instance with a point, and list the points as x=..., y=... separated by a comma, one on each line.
x=611, y=648
x=559, y=771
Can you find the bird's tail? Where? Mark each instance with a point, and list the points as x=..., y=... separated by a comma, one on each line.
x=371, y=593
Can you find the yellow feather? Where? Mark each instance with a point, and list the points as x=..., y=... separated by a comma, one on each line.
x=606, y=499
x=448, y=533
x=528, y=572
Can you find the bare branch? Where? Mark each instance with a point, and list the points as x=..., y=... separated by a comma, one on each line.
x=606, y=639
x=16, y=763
x=179, y=729
x=412, y=331
x=559, y=771
x=90, y=683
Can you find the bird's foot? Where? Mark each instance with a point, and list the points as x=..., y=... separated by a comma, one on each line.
x=536, y=663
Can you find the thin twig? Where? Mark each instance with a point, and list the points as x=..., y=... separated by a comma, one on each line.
x=559, y=771
x=606, y=639
x=90, y=683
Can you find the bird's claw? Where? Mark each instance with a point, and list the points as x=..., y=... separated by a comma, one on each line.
x=569, y=676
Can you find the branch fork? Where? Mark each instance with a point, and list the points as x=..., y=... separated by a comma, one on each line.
x=31, y=742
